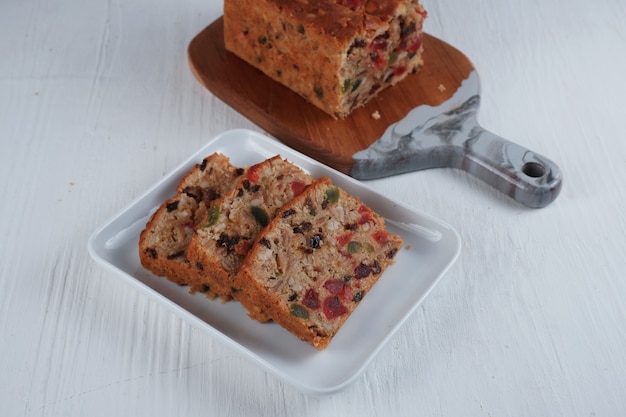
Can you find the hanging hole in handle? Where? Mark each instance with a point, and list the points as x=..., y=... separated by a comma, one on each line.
x=534, y=169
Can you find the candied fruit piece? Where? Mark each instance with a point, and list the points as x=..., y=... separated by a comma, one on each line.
x=260, y=216
x=334, y=286
x=362, y=271
x=333, y=307
x=332, y=195
x=298, y=187
x=344, y=239
x=358, y=296
x=299, y=311
x=212, y=217
x=253, y=173
x=311, y=299
x=354, y=246
x=172, y=206
x=381, y=237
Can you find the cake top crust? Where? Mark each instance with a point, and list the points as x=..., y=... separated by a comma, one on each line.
x=341, y=19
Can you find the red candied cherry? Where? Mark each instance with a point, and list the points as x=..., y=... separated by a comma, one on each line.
x=381, y=237
x=339, y=288
x=378, y=59
x=311, y=299
x=380, y=42
x=400, y=70
x=297, y=187
x=378, y=47
x=334, y=286
x=366, y=215
x=345, y=254
x=343, y=240
x=253, y=172
x=415, y=46
x=333, y=307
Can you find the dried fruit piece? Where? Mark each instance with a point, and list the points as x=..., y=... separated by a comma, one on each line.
x=332, y=195
x=297, y=187
x=366, y=215
x=253, y=172
x=334, y=286
x=362, y=271
x=228, y=242
x=333, y=307
x=353, y=247
x=212, y=216
x=303, y=227
x=172, y=206
x=260, y=216
x=315, y=241
x=299, y=311
x=381, y=237
x=358, y=296
x=311, y=299
x=344, y=239
x=288, y=212
x=347, y=85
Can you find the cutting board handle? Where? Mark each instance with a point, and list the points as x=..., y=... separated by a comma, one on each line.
x=520, y=173
x=527, y=177
x=449, y=136
x=455, y=140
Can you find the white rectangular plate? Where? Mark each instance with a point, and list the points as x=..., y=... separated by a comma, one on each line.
x=431, y=247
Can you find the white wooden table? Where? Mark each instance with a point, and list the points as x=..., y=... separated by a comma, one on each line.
x=97, y=103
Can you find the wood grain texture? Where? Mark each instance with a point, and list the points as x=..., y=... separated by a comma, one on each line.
x=288, y=117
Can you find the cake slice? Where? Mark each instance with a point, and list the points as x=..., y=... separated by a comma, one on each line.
x=211, y=178
x=164, y=241
x=222, y=239
x=337, y=54
x=312, y=265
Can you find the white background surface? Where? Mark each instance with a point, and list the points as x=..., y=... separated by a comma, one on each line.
x=97, y=104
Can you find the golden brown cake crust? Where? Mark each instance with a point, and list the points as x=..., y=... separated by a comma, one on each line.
x=339, y=21
x=162, y=243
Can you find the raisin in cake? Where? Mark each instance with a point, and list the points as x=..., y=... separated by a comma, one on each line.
x=337, y=54
x=164, y=241
x=222, y=239
x=314, y=263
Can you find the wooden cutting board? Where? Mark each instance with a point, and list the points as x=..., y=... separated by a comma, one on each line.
x=289, y=118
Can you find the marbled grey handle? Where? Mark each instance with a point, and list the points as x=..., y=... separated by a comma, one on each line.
x=523, y=175
x=449, y=136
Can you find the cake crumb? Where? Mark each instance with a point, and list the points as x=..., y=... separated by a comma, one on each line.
x=441, y=88
x=376, y=115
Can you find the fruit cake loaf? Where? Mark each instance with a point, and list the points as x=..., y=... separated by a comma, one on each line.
x=164, y=241
x=314, y=263
x=222, y=239
x=337, y=54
